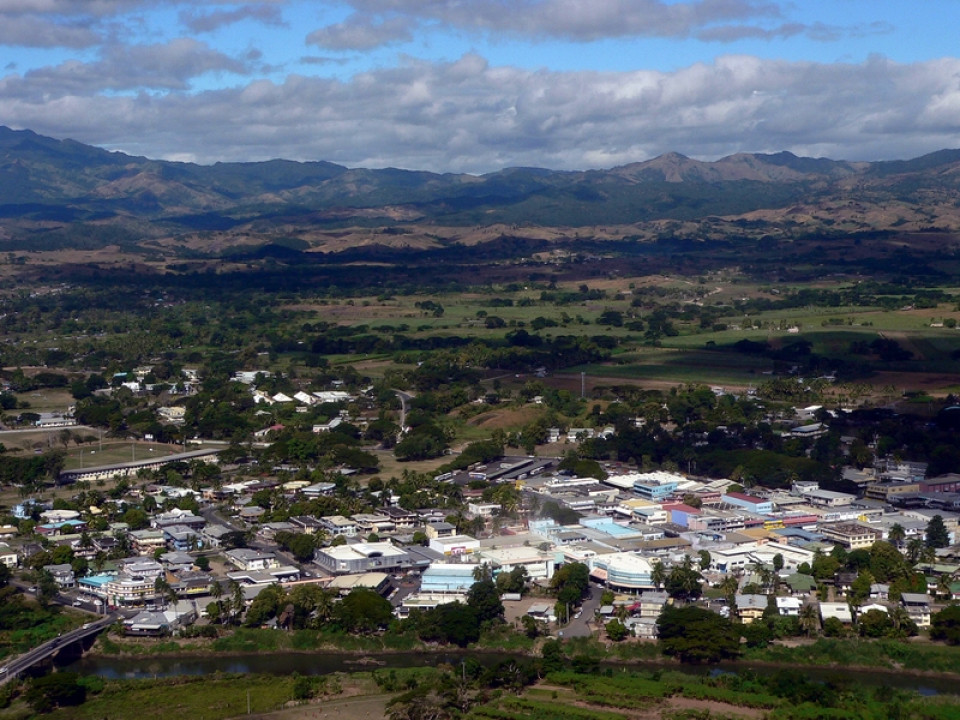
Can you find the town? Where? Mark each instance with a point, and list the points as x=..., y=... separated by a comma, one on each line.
x=195, y=542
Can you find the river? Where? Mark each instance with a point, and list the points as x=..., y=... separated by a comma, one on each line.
x=324, y=663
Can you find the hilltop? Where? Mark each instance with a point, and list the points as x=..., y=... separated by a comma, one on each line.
x=61, y=194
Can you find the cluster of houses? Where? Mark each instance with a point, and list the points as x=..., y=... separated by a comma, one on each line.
x=626, y=524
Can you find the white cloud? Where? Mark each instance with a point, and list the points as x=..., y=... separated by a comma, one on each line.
x=470, y=116
x=162, y=66
x=360, y=32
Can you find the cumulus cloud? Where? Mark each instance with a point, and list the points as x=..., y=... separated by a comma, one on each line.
x=162, y=66
x=87, y=23
x=473, y=117
x=360, y=32
x=210, y=21
x=576, y=20
x=29, y=31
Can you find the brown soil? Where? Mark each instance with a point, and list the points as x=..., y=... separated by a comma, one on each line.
x=358, y=707
x=503, y=419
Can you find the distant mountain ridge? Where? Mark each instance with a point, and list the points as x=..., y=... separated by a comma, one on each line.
x=45, y=181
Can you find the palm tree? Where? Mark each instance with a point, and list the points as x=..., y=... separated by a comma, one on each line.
x=216, y=592
x=809, y=619
x=238, y=602
x=943, y=586
x=729, y=587
x=658, y=574
x=899, y=617
x=897, y=535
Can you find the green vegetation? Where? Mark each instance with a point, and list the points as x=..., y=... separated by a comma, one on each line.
x=218, y=696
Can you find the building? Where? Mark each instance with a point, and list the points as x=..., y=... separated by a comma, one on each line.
x=748, y=502
x=248, y=559
x=368, y=557
x=539, y=565
x=454, y=545
x=852, y=536
x=447, y=578
x=917, y=606
x=750, y=607
x=339, y=525
x=623, y=571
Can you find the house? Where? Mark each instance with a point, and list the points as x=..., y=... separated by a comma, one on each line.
x=917, y=606
x=177, y=562
x=333, y=423
x=154, y=624
x=63, y=574
x=182, y=538
x=852, y=536
x=212, y=535
x=373, y=523
x=8, y=556
x=838, y=610
x=800, y=584
x=249, y=559
x=145, y=542
x=789, y=606
x=435, y=530
x=401, y=519
x=339, y=525
x=306, y=524
x=750, y=607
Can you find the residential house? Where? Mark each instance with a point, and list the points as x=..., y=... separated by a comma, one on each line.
x=249, y=559
x=63, y=574
x=750, y=607
x=917, y=606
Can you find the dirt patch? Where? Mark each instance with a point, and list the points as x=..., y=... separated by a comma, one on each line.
x=715, y=708
x=505, y=419
x=361, y=707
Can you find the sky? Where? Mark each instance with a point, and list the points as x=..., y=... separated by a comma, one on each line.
x=475, y=86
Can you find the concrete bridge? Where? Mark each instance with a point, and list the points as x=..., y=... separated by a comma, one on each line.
x=49, y=649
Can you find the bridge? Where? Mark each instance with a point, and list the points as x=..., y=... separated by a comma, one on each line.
x=49, y=649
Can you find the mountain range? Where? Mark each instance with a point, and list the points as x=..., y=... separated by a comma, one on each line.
x=62, y=193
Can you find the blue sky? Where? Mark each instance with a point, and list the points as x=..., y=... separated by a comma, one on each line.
x=477, y=85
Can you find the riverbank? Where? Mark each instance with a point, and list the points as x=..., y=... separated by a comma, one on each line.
x=891, y=655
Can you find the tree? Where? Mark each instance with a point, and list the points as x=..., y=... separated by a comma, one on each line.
x=705, y=559
x=936, y=535
x=616, y=630
x=875, y=624
x=658, y=574
x=945, y=625
x=571, y=583
x=860, y=589
x=484, y=598
x=684, y=582
x=809, y=619
x=454, y=623
x=55, y=690
x=897, y=534
x=363, y=611
x=695, y=635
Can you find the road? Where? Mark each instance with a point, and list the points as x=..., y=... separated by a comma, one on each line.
x=48, y=649
x=579, y=627
x=212, y=515
x=405, y=399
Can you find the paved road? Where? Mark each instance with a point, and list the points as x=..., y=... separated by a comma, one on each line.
x=579, y=627
x=49, y=648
